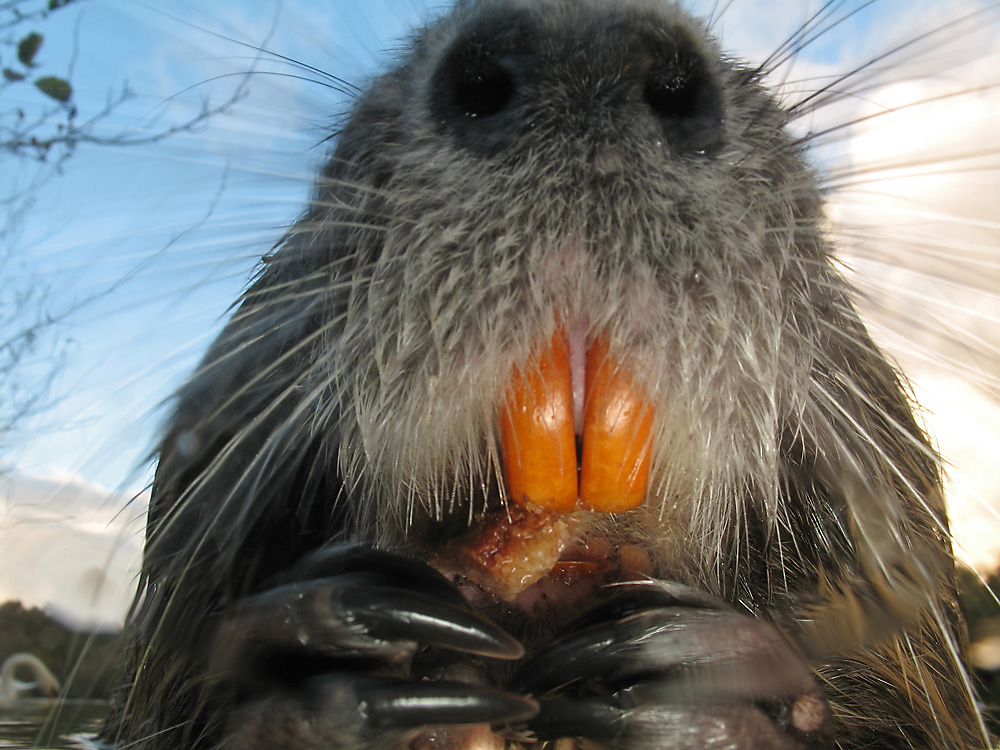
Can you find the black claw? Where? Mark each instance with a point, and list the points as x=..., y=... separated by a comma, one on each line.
x=608, y=651
x=395, y=615
x=595, y=719
x=402, y=705
x=375, y=565
x=635, y=596
x=355, y=602
x=605, y=642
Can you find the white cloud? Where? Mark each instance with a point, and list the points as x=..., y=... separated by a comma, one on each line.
x=69, y=547
x=966, y=423
x=919, y=226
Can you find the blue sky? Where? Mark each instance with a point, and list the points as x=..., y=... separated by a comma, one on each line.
x=160, y=238
x=142, y=213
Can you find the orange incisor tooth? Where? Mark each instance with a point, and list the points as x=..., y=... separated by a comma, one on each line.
x=617, y=436
x=537, y=442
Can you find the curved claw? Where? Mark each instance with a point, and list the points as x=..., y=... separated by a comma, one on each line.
x=717, y=654
x=403, y=705
x=674, y=676
x=397, y=615
x=680, y=726
x=335, y=560
x=350, y=617
x=609, y=651
x=596, y=719
x=606, y=640
x=354, y=712
x=635, y=596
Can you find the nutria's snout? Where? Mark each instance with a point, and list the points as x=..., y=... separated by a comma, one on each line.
x=507, y=73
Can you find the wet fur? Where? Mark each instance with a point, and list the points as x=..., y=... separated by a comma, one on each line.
x=354, y=392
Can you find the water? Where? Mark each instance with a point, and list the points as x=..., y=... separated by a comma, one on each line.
x=45, y=725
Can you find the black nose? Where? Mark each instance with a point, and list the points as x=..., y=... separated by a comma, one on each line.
x=507, y=75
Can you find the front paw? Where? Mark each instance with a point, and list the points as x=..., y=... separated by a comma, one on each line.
x=662, y=665
x=322, y=658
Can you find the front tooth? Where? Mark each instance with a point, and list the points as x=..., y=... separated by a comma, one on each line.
x=538, y=446
x=617, y=436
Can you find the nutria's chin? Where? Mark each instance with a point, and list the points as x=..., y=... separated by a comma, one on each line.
x=599, y=167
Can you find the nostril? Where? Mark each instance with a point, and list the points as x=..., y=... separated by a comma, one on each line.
x=682, y=93
x=671, y=91
x=475, y=88
x=480, y=85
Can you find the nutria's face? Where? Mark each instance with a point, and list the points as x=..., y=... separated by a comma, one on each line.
x=560, y=318
x=563, y=230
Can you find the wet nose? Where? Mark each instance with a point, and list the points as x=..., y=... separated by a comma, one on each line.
x=495, y=85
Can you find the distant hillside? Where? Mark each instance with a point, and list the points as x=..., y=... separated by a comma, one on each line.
x=88, y=665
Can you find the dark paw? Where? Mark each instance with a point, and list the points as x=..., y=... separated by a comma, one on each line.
x=662, y=665
x=322, y=658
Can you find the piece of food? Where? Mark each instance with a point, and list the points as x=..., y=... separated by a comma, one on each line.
x=617, y=436
x=506, y=551
x=536, y=431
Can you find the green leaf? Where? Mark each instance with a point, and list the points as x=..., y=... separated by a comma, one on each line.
x=12, y=75
x=28, y=47
x=55, y=4
x=55, y=88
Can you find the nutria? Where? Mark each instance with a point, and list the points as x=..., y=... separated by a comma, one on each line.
x=596, y=173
